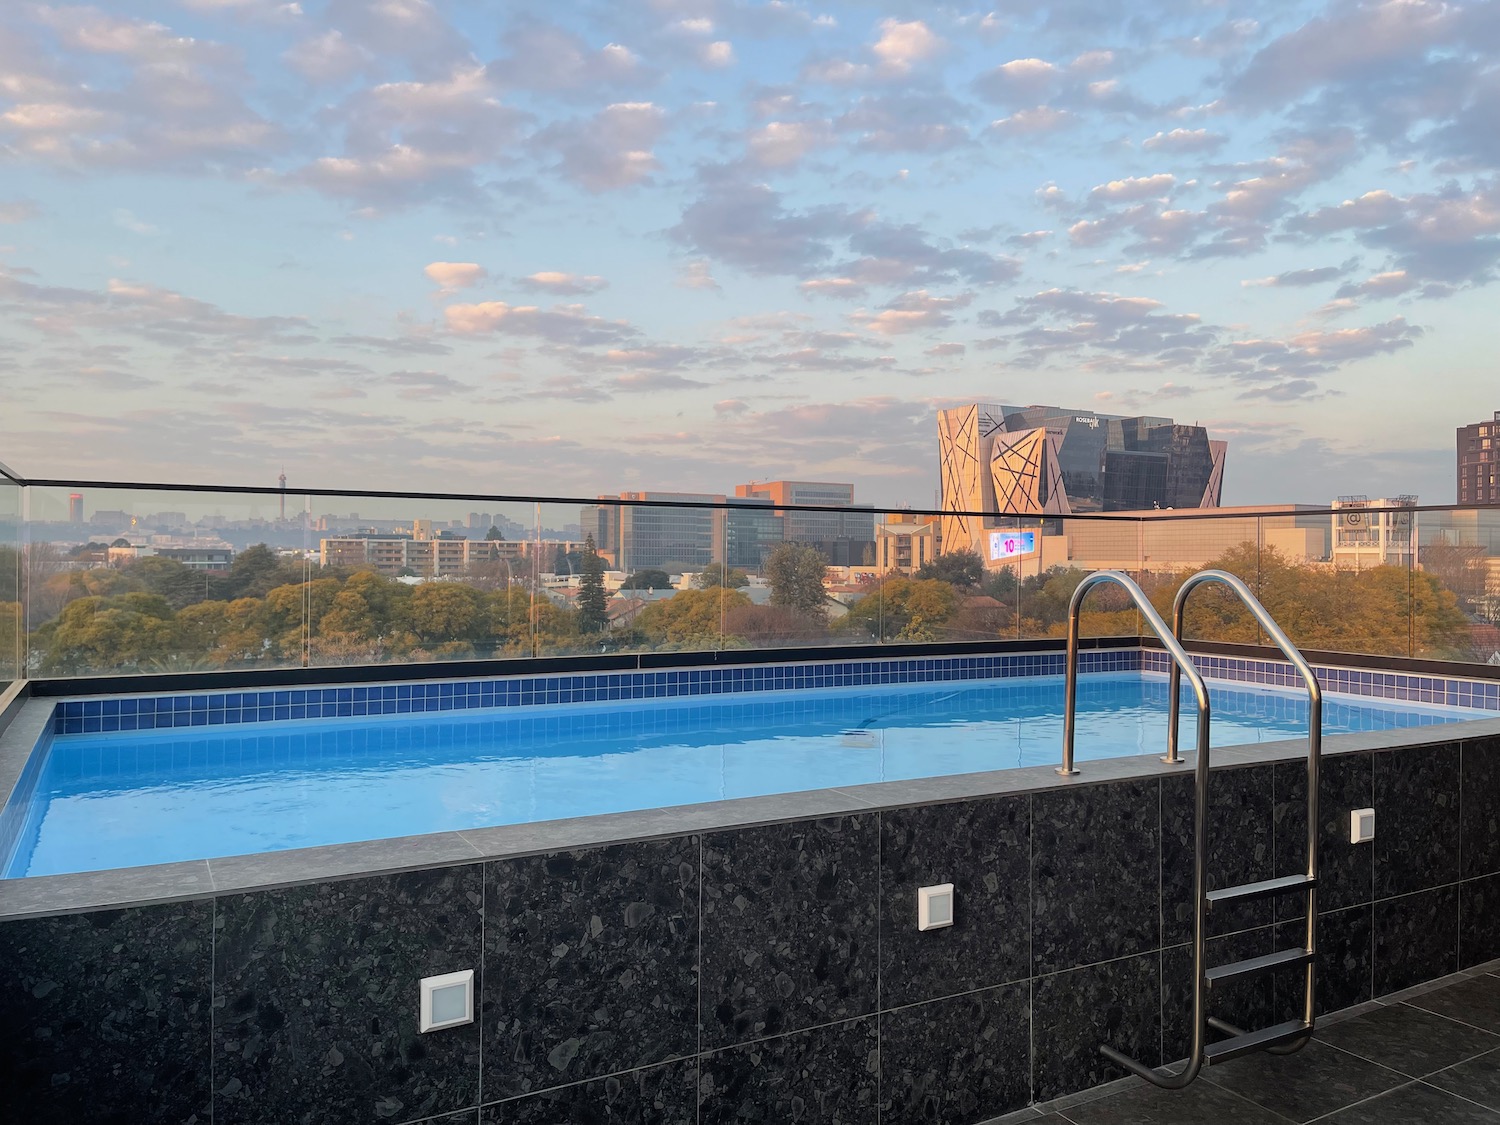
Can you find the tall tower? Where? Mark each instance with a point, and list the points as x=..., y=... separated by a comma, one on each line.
x=282, y=479
x=75, y=507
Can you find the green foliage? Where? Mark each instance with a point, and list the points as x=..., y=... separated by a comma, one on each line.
x=796, y=575
x=964, y=569
x=648, y=579
x=717, y=574
x=690, y=619
x=904, y=609
x=493, y=535
x=592, y=617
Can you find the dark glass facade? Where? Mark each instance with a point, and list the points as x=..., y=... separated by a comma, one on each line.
x=1115, y=464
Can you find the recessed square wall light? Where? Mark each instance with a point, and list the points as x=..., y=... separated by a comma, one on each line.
x=1361, y=826
x=447, y=1000
x=935, y=907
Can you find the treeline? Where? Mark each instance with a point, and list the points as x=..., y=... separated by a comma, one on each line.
x=159, y=615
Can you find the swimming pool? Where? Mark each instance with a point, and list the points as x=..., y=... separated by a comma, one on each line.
x=131, y=798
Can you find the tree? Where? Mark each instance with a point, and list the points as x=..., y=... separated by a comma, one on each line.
x=964, y=569
x=651, y=578
x=690, y=619
x=446, y=613
x=592, y=617
x=796, y=575
x=907, y=609
x=717, y=574
x=493, y=535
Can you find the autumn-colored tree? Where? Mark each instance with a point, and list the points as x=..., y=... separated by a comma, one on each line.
x=692, y=619
x=907, y=609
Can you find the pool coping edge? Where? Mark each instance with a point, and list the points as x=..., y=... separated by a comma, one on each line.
x=187, y=880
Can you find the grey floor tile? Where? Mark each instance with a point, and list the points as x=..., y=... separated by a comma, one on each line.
x=1415, y=1104
x=1478, y=1080
x=1412, y=1040
x=1315, y=1081
x=1475, y=1001
x=1149, y=1105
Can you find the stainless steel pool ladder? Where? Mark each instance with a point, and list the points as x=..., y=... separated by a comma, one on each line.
x=1282, y=1038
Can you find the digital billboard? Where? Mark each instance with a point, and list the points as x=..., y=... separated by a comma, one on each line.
x=1010, y=544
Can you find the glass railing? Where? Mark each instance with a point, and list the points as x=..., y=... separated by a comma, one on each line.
x=114, y=579
x=12, y=556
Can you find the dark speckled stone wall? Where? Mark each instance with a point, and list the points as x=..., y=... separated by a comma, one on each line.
x=105, y=1014
x=766, y=974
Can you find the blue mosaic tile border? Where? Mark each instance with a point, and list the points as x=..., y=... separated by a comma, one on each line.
x=1440, y=690
x=201, y=709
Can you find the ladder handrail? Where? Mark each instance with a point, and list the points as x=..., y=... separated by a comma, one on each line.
x=1180, y=659
x=1314, y=733
x=1183, y=661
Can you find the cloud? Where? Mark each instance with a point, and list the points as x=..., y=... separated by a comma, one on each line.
x=328, y=57
x=412, y=142
x=563, y=284
x=747, y=226
x=1101, y=330
x=939, y=350
x=611, y=149
x=547, y=59
x=653, y=382
x=730, y=407
x=912, y=312
x=1184, y=141
x=779, y=144
x=1391, y=283
x=1018, y=81
x=905, y=120
x=18, y=211
x=904, y=44
x=117, y=93
x=832, y=287
x=410, y=30
x=1373, y=208
x=1135, y=188
x=905, y=254
x=1318, y=350
x=899, y=49
x=424, y=386
x=393, y=345
x=1354, y=41
x=452, y=276
x=1029, y=122
x=1311, y=276
x=697, y=274
x=569, y=324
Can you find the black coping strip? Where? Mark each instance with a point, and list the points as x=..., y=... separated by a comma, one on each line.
x=197, y=879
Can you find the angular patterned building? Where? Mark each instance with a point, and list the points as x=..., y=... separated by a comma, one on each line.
x=1049, y=461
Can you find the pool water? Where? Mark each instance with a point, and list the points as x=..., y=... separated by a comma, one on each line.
x=126, y=799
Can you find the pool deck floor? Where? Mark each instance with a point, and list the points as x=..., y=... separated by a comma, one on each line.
x=1428, y=1056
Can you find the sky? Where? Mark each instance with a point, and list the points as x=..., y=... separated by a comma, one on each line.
x=577, y=248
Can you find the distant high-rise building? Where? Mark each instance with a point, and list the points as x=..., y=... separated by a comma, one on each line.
x=1479, y=462
x=1052, y=461
x=657, y=536
x=75, y=507
x=282, y=481
x=821, y=528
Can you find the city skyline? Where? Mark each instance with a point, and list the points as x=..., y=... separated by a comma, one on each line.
x=589, y=249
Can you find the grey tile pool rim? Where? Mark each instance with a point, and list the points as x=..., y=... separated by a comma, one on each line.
x=205, y=878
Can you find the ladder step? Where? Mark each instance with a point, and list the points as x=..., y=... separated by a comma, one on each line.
x=1262, y=889
x=1256, y=966
x=1227, y=1049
